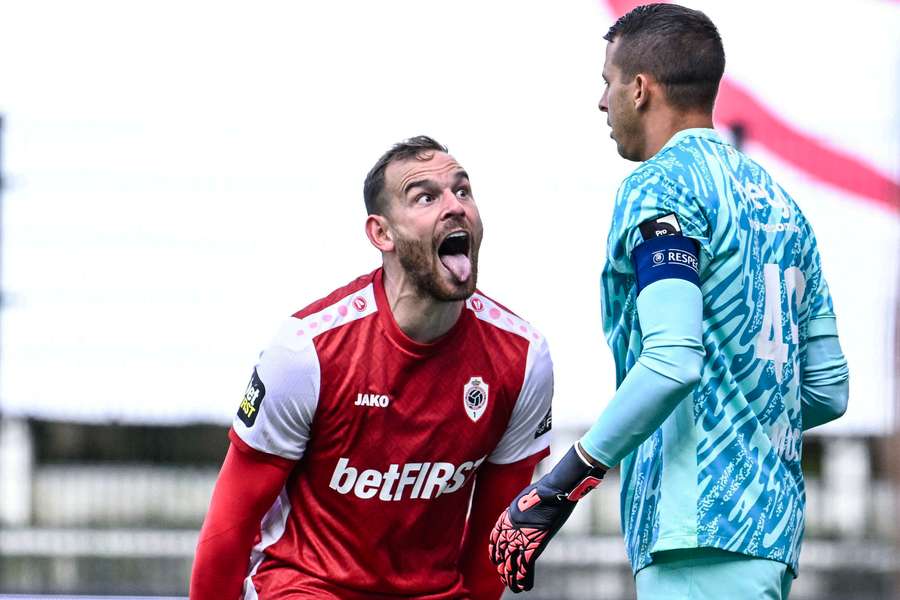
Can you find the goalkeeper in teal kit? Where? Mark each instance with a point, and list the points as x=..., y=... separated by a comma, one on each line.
x=724, y=337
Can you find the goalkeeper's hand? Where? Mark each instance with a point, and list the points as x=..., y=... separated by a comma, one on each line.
x=535, y=515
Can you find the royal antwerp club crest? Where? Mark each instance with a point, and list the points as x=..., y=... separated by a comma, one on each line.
x=475, y=397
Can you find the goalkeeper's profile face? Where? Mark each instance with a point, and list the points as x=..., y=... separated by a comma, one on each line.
x=434, y=224
x=620, y=101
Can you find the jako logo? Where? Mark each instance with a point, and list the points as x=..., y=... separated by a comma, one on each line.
x=372, y=400
x=413, y=480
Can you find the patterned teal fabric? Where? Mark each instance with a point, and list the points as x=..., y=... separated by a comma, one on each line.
x=723, y=470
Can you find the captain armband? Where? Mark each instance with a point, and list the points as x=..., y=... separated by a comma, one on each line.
x=665, y=253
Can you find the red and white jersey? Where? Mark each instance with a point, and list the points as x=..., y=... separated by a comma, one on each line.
x=389, y=434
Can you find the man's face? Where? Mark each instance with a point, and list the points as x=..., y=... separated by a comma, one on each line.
x=435, y=224
x=618, y=104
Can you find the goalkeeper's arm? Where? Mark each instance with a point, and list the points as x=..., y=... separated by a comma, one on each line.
x=671, y=316
x=246, y=488
x=669, y=366
x=825, y=386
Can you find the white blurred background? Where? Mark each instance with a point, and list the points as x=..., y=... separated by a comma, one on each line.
x=180, y=176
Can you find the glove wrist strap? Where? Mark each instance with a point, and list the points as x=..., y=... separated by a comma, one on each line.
x=574, y=477
x=586, y=458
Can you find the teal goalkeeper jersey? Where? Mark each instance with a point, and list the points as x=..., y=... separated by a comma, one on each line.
x=723, y=470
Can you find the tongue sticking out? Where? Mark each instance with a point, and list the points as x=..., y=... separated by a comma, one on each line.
x=459, y=265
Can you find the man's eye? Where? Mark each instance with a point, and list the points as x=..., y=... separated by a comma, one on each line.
x=462, y=193
x=424, y=199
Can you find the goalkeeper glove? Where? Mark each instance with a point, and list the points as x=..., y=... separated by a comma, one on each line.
x=535, y=515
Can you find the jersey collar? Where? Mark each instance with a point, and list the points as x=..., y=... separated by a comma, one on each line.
x=696, y=132
x=393, y=332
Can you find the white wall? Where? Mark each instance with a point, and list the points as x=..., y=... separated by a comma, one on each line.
x=183, y=175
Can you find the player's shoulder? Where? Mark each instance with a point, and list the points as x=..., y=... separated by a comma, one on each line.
x=499, y=321
x=345, y=305
x=689, y=150
x=649, y=192
x=653, y=179
x=363, y=287
x=648, y=174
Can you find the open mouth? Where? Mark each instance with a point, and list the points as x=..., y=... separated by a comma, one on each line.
x=454, y=255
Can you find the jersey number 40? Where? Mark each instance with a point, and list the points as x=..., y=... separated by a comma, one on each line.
x=770, y=343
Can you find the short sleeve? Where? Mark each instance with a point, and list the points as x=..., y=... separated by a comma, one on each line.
x=648, y=197
x=277, y=409
x=528, y=431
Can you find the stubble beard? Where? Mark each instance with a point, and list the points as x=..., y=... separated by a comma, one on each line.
x=420, y=265
x=628, y=134
x=627, y=138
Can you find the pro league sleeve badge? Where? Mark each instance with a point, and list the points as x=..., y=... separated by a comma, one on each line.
x=660, y=226
x=252, y=400
x=665, y=253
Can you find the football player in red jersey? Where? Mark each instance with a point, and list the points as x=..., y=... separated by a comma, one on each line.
x=378, y=412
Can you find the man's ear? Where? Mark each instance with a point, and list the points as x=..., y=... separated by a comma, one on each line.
x=641, y=95
x=379, y=233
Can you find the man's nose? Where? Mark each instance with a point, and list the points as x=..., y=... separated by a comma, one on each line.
x=603, y=104
x=452, y=206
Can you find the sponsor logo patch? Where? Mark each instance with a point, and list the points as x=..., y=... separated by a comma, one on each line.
x=252, y=400
x=378, y=400
x=475, y=397
x=545, y=425
x=660, y=226
x=416, y=481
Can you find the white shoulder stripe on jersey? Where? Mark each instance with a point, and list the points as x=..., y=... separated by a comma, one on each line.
x=523, y=436
x=490, y=312
x=528, y=430
x=296, y=333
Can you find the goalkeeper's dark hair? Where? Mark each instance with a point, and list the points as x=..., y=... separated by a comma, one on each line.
x=373, y=188
x=680, y=47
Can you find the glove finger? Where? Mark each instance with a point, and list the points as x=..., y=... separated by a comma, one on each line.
x=494, y=545
x=512, y=571
x=509, y=559
x=499, y=540
x=500, y=557
x=526, y=575
x=529, y=551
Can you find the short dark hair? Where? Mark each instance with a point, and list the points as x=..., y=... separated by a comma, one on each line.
x=678, y=46
x=373, y=187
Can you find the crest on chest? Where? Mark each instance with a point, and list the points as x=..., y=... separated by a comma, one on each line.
x=475, y=397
